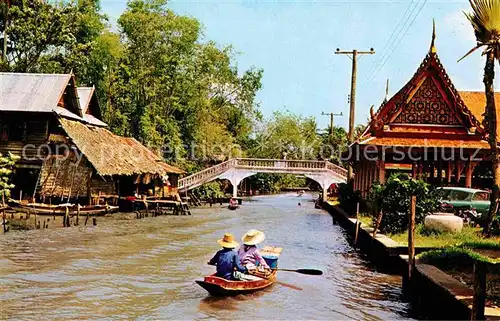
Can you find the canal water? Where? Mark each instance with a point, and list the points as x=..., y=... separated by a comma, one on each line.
x=145, y=269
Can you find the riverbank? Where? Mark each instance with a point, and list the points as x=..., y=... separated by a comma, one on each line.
x=433, y=292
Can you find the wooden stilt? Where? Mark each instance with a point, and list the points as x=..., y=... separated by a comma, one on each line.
x=411, y=236
x=357, y=225
x=478, y=304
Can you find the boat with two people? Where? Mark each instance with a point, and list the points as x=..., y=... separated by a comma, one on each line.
x=259, y=277
x=218, y=286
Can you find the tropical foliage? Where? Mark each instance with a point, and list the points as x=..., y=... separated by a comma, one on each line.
x=7, y=164
x=349, y=198
x=159, y=80
x=393, y=200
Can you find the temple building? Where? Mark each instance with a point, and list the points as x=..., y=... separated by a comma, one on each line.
x=428, y=128
x=67, y=151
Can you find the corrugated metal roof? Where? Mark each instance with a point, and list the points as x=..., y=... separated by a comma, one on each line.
x=31, y=92
x=25, y=92
x=85, y=95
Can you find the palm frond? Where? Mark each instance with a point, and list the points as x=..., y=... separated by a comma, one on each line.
x=485, y=20
x=470, y=51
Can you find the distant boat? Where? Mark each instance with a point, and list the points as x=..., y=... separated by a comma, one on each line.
x=301, y=192
x=233, y=206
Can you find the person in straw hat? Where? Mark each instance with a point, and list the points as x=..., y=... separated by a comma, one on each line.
x=226, y=260
x=249, y=254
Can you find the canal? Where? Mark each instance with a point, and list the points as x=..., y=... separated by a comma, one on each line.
x=145, y=269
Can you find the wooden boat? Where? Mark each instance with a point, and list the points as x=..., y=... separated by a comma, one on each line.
x=217, y=286
x=46, y=209
x=233, y=206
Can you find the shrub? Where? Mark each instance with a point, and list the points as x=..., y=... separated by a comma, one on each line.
x=348, y=197
x=393, y=199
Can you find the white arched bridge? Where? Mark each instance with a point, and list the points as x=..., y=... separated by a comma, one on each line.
x=237, y=169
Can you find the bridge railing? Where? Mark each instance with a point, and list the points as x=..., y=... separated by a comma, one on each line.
x=336, y=169
x=280, y=163
x=206, y=174
x=255, y=164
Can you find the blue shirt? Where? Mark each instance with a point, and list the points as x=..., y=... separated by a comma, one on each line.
x=226, y=260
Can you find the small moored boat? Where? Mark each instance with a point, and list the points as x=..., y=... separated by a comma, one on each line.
x=46, y=209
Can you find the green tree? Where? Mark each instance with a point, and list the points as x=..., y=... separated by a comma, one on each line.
x=7, y=164
x=393, y=200
x=176, y=92
x=49, y=37
x=485, y=20
x=286, y=134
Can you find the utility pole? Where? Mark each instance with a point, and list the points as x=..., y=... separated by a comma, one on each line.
x=354, y=59
x=331, y=121
x=6, y=25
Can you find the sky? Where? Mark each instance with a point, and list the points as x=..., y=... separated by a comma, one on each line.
x=294, y=42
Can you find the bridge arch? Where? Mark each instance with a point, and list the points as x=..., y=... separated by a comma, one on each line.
x=237, y=169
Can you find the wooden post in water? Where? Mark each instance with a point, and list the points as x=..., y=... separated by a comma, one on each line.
x=77, y=214
x=66, y=218
x=411, y=236
x=377, y=224
x=4, y=223
x=357, y=225
x=479, y=301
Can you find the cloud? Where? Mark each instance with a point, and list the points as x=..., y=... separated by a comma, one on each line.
x=457, y=25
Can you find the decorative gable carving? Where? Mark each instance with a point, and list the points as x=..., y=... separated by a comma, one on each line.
x=427, y=106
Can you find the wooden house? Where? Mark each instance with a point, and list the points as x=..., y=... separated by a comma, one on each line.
x=66, y=151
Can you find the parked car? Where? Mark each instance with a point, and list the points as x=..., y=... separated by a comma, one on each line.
x=466, y=202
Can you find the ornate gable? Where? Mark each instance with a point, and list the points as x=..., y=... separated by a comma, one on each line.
x=429, y=98
x=427, y=106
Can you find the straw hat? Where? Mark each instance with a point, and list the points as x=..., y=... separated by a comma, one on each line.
x=253, y=237
x=228, y=241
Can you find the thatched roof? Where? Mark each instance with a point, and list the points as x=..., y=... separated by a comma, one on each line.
x=111, y=155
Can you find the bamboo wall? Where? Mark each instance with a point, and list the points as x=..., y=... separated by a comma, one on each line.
x=64, y=177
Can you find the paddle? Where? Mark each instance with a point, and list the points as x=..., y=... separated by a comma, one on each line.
x=289, y=285
x=304, y=271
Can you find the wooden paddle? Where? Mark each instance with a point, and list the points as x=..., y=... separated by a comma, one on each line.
x=289, y=285
x=304, y=271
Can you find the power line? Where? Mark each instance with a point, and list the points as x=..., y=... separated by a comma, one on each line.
x=391, y=37
x=397, y=44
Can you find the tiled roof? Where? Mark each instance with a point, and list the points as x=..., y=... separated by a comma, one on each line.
x=424, y=142
x=476, y=102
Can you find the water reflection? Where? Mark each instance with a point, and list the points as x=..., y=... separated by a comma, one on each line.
x=145, y=269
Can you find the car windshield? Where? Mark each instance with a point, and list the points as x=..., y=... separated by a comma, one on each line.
x=481, y=196
x=456, y=195
x=443, y=193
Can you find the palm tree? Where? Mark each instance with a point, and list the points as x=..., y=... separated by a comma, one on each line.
x=485, y=19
